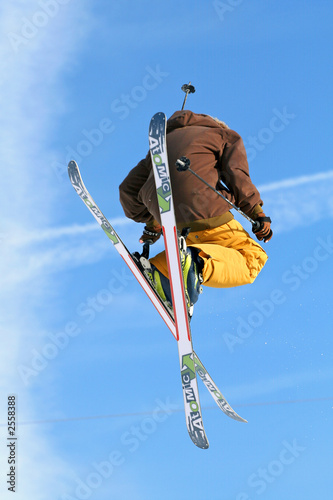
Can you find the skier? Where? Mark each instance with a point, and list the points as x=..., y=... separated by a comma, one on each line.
x=220, y=253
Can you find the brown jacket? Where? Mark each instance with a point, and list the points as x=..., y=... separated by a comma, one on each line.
x=216, y=154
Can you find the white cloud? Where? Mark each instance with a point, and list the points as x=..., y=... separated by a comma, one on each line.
x=31, y=96
x=298, y=202
x=296, y=181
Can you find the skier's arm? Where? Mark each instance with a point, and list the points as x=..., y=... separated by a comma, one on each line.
x=129, y=191
x=234, y=172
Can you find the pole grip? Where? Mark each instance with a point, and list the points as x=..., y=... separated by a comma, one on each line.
x=255, y=226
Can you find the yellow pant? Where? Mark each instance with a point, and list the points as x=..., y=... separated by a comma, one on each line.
x=231, y=257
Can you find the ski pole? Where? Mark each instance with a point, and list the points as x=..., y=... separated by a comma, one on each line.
x=184, y=163
x=188, y=89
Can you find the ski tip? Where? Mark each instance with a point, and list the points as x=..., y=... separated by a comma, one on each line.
x=230, y=412
x=240, y=419
x=205, y=447
x=198, y=436
x=201, y=442
x=72, y=164
x=159, y=116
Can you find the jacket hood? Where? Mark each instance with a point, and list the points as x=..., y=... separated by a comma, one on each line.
x=186, y=118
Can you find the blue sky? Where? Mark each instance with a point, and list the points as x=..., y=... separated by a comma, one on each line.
x=95, y=371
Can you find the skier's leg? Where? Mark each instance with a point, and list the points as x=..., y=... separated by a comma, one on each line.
x=192, y=266
x=230, y=256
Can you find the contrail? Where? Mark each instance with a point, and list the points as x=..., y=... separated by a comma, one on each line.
x=296, y=181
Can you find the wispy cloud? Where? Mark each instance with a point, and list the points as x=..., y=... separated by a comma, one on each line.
x=296, y=181
x=300, y=201
x=36, y=46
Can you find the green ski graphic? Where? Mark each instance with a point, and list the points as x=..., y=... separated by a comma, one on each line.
x=163, y=199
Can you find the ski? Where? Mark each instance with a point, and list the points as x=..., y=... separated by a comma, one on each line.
x=159, y=157
x=218, y=397
x=131, y=262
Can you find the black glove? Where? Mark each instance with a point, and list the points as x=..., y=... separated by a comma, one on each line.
x=151, y=233
x=264, y=232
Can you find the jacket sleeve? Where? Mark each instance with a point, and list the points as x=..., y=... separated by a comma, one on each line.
x=129, y=192
x=234, y=172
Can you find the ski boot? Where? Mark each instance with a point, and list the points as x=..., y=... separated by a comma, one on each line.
x=191, y=265
x=156, y=279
